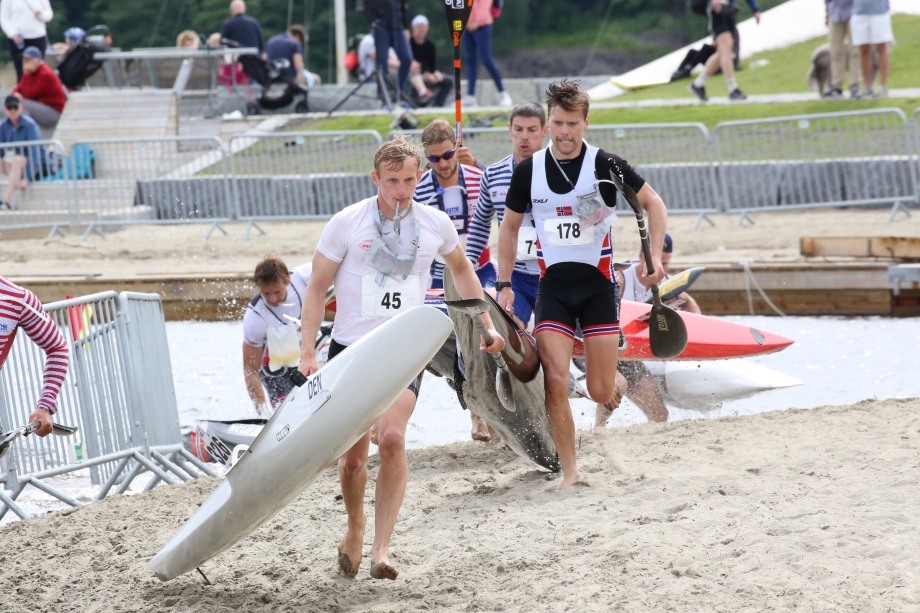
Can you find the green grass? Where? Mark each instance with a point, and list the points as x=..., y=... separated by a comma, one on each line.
x=787, y=67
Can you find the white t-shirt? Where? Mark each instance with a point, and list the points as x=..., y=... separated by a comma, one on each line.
x=347, y=238
x=260, y=316
x=632, y=290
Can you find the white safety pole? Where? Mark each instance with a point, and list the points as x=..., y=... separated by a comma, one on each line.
x=340, y=43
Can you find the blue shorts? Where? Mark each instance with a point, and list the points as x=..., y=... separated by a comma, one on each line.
x=487, y=277
x=524, y=286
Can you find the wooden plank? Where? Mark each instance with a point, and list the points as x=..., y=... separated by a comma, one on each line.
x=889, y=247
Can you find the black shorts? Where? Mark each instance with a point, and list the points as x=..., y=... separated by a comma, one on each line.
x=725, y=21
x=570, y=294
x=636, y=373
x=337, y=348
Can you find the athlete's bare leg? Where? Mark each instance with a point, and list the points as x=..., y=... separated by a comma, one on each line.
x=353, y=480
x=555, y=352
x=648, y=398
x=604, y=410
x=391, y=481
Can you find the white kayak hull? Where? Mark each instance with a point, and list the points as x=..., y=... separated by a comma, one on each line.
x=316, y=424
x=707, y=385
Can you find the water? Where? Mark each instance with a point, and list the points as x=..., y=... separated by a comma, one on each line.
x=840, y=361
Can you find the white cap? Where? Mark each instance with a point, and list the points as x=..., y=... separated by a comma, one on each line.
x=419, y=19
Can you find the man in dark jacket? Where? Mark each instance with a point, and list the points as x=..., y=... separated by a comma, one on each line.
x=241, y=28
x=426, y=61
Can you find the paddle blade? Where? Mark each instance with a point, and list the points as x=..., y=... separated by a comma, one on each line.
x=458, y=15
x=62, y=430
x=470, y=306
x=667, y=332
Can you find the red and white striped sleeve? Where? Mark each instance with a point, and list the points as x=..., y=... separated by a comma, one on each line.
x=46, y=334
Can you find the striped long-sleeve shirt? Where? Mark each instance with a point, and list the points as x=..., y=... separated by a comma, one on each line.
x=492, y=191
x=42, y=330
x=426, y=192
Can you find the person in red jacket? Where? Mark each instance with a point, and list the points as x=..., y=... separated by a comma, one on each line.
x=42, y=93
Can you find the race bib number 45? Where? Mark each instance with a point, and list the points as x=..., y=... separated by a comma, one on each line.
x=567, y=231
x=394, y=298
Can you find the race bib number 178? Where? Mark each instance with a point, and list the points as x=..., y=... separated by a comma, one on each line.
x=567, y=231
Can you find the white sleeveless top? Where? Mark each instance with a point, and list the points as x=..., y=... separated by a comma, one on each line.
x=561, y=237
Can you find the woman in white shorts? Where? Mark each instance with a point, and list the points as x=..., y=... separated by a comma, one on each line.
x=870, y=26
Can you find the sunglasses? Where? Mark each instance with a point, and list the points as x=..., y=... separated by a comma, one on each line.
x=12, y=107
x=434, y=159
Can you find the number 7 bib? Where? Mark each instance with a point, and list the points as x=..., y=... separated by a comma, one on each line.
x=567, y=232
x=394, y=298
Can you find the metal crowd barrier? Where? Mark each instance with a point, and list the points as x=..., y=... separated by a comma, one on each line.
x=300, y=175
x=118, y=390
x=47, y=200
x=822, y=160
x=170, y=179
x=915, y=125
x=675, y=158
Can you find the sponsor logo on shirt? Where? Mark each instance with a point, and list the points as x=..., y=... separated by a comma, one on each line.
x=540, y=200
x=4, y=328
x=454, y=211
x=366, y=245
x=499, y=194
x=564, y=211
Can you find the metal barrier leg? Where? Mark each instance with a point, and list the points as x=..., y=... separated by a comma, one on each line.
x=55, y=230
x=135, y=470
x=154, y=469
x=198, y=463
x=215, y=226
x=169, y=466
x=703, y=217
x=91, y=229
x=53, y=492
x=745, y=216
x=112, y=478
x=252, y=224
x=898, y=205
x=179, y=461
x=9, y=504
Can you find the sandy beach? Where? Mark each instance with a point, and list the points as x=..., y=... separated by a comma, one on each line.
x=797, y=510
x=179, y=249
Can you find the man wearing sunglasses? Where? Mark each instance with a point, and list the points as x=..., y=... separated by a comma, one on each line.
x=21, y=164
x=453, y=188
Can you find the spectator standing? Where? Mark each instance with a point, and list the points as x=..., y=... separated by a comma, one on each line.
x=241, y=28
x=722, y=24
x=367, y=67
x=426, y=62
x=289, y=46
x=838, y=39
x=388, y=18
x=23, y=22
x=477, y=44
x=25, y=163
x=870, y=27
x=41, y=90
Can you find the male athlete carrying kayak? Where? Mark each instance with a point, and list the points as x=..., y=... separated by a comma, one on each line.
x=571, y=213
x=20, y=308
x=378, y=252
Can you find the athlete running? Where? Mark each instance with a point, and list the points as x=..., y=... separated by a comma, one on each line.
x=20, y=308
x=571, y=213
x=379, y=253
x=433, y=189
x=271, y=341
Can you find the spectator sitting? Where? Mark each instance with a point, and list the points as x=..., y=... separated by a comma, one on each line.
x=289, y=46
x=241, y=28
x=42, y=93
x=188, y=39
x=425, y=63
x=25, y=163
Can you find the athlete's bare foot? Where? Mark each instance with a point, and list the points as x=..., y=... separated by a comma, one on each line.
x=568, y=480
x=382, y=570
x=350, y=551
x=480, y=431
x=494, y=437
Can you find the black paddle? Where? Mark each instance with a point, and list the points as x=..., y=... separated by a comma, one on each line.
x=7, y=439
x=667, y=333
x=458, y=14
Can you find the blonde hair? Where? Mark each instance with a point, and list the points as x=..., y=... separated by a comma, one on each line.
x=394, y=153
x=184, y=35
x=438, y=131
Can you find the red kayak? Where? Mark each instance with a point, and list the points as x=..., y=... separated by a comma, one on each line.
x=708, y=338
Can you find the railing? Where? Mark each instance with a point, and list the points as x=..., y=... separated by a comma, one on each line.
x=47, y=200
x=125, y=409
x=831, y=159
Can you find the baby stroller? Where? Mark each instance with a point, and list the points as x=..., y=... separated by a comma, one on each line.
x=277, y=90
x=78, y=63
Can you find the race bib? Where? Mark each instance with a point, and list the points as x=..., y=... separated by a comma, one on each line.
x=394, y=298
x=567, y=232
x=527, y=243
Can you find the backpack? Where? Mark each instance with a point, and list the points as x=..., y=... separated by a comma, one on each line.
x=698, y=6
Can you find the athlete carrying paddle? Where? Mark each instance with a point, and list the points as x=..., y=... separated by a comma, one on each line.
x=571, y=213
x=378, y=253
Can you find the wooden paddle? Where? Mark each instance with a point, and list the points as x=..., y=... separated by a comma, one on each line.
x=667, y=333
x=458, y=14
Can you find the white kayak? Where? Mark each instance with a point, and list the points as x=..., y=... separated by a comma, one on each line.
x=706, y=385
x=309, y=432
